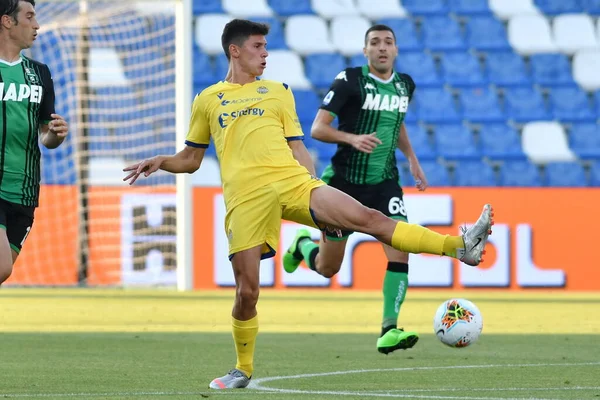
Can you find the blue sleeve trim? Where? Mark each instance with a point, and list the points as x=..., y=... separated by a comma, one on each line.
x=285, y=85
x=291, y=138
x=196, y=145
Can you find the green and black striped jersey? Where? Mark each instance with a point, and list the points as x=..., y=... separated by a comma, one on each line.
x=27, y=95
x=365, y=104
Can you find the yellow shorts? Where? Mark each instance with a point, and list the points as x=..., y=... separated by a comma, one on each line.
x=256, y=220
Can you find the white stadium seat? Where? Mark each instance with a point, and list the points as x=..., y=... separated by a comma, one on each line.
x=377, y=9
x=586, y=67
x=545, y=142
x=209, y=28
x=530, y=34
x=334, y=8
x=307, y=34
x=245, y=8
x=105, y=68
x=574, y=32
x=348, y=34
x=286, y=66
x=505, y=9
x=154, y=8
x=598, y=29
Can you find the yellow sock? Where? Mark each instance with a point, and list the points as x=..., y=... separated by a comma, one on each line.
x=244, y=336
x=411, y=238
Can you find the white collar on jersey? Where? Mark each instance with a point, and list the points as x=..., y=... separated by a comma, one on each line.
x=11, y=64
x=381, y=80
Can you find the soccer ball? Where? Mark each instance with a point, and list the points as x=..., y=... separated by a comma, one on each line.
x=457, y=323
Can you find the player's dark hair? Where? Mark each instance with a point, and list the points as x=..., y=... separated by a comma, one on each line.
x=237, y=31
x=377, y=28
x=11, y=7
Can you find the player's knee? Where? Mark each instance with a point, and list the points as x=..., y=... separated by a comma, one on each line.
x=328, y=268
x=247, y=296
x=5, y=270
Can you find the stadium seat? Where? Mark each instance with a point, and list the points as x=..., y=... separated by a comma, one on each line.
x=505, y=9
x=204, y=71
x=590, y=6
x=207, y=7
x=321, y=69
x=276, y=37
x=105, y=68
x=442, y=34
x=348, y=34
x=209, y=28
x=571, y=104
x=286, y=8
x=286, y=66
x=404, y=28
x=574, y=32
x=474, y=173
x=307, y=105
x=381, y=9
x=586, y=65
x=500, y=142
x=507, y=69
x=565, y=174
x=222, y=66
x=469, y=7
x=461, y=69
x=420, y=66
x=545, y=142
x=436, y=106
x=520, y=173
x=481, y=105
x=245, y=8
x=525, y=104
x=406, y=179
x=551, y=70
x=584, y=140
x=307, y=34
x=531, y=34
x=456, y=142
x=486, y=34
x=556, y=7
x=329, y=9
x=115, y=103
x=595, y=174
x=425, y=7
x=411, y=116
x=421, y=142
x=437, y=174
x=597, y=101
x=357, y=60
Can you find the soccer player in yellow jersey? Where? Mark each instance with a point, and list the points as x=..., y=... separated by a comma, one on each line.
x=268, y=174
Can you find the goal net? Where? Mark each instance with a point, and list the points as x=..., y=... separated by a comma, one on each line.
x=114, y=68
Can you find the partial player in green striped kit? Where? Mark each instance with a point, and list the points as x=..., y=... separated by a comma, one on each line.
x=26, y=117
x=370, y=103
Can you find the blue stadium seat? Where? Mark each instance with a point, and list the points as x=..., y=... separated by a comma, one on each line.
x=357, y=60
x=204, y=71
x=474, y=173
x=437, y=174
x=321, y=69
x=481, y=105
x=307, y=105
x=420, y=66
x=469, y=7
x=595, y=174
x=571, y=104
x=285, y=8
x=564, y=174
x=421, y=142
x=58, y=165
x=551, y=70
x=590, y=6
x=555, y=7
x=406, y=179
x=507, y=69
x=436, y=106
x=487, y=34
x=411, y=116
x=222, y=66
x=276, y=38
x=325, y=151
x=442, y=34
x=207, y=6
x=500, y=142
x=405, y=31
x=525, y=104
x=597, y=101
x=520, y=173
x=426, y=7
x=584, y=140
x=456, y=142
x=462, y=69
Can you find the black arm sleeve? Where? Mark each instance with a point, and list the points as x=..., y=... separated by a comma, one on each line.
x=410, y=83
x=338, y=94
x=47, y=106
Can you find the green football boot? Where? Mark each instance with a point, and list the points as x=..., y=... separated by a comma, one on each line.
x=396, y=339
x=293, y=257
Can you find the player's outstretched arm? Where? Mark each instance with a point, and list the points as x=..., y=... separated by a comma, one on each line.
x=302, y=155
x=187, y=160
x=323, y=131
x=55, y=132
x=413, y=162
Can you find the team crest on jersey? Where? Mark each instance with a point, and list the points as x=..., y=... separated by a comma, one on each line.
x=31, y=75
x=401, y=88
x=262, y=90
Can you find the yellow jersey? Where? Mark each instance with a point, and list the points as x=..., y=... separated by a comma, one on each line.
x=250, y=125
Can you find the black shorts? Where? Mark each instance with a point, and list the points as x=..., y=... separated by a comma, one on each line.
x=17, y=220
x=386, y=197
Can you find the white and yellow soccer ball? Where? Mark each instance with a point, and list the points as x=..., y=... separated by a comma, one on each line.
x=457, y=323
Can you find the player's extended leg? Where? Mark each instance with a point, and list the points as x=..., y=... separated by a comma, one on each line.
x=395, y=286
x=244, y=318
x=335, y=208
x=7, y=256
x=325, y=258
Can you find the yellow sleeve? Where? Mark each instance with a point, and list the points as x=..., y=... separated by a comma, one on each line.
x=292, y=130
x=199, y=130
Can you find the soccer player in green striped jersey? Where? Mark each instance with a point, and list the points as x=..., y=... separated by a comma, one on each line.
x=370, y=103
x=26, y=116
